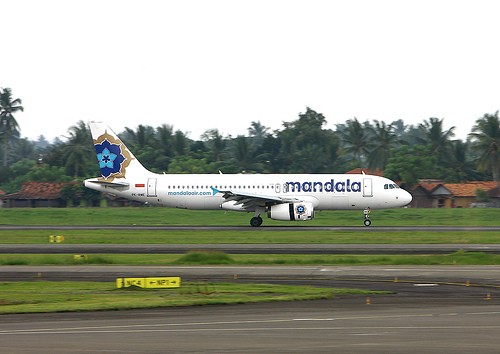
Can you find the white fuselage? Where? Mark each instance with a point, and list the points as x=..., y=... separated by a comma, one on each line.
x=201, y=191
x=283, y=197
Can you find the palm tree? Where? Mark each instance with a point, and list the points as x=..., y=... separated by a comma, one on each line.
x=8, y=124
x=181, y=142
x=243, y=153
x=216, y=143
x=355, y=140
x=163, y=144
x=143, y=142
x=24, y=149
x=164, y=138
x=383, y=140
x=258, y=133
x=485, y=137
x=461, y=167
x=434, y=136
x=78, y=152
x=141, y=138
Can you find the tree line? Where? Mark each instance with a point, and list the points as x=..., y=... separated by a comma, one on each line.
x=405, y=153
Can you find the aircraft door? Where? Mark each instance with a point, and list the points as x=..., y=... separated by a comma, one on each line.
x=367, y=187
x=151, y=187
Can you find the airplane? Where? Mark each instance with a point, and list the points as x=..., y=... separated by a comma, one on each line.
x=287, y=197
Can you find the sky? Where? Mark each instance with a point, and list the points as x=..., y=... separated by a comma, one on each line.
x=222, y=64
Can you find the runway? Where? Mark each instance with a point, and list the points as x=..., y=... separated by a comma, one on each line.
x=480, y=275
x=431, y=310
x=256, y=229
x=314, y=327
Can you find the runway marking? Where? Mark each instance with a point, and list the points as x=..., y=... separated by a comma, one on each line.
x=257, y=329
x=484, y=313
x=137, y=328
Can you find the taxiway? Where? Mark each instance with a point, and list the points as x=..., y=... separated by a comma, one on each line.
x=431, y=310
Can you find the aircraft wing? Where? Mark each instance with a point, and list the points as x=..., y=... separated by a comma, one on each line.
x=250, y=200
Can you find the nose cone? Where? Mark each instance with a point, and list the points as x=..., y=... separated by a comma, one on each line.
x=405, y=197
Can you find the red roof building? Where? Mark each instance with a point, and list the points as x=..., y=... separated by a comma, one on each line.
x=36, y=194
x=437, y=194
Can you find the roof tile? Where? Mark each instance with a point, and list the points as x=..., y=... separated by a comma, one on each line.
x=38, y=190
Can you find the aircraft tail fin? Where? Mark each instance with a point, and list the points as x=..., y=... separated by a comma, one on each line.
x=114, y=158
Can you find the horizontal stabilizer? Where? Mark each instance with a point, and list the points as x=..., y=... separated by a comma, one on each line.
x=108, y=183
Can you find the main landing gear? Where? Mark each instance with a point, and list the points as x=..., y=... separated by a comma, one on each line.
x=256, y=221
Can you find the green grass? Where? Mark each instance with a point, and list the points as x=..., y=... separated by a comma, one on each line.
x=250, y=236
x=43, y=296
x=167, y=216
x=220, y=258
x=205, y=258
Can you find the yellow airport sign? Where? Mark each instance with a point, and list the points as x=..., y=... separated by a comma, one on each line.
x=56, y=239
x=149, y=282
x=80, y=257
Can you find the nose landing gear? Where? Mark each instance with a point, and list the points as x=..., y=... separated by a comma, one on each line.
x=367, y=220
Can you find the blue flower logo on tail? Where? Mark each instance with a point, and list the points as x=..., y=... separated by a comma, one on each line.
x=112, y=156
x=106, y=158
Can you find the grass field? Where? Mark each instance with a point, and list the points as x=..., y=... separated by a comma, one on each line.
x=220, y=258
x=250, y=236
x=43, y=296
x=166, y=216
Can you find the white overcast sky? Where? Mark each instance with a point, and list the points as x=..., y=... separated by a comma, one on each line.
x=204, y=64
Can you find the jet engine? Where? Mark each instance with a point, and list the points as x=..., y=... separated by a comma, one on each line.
x=291, y=211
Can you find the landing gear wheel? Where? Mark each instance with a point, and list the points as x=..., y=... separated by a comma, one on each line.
x=256, y=221
x=367, y=222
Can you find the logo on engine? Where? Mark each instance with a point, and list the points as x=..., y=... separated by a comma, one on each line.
x=112, y=156
x=300, y=209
